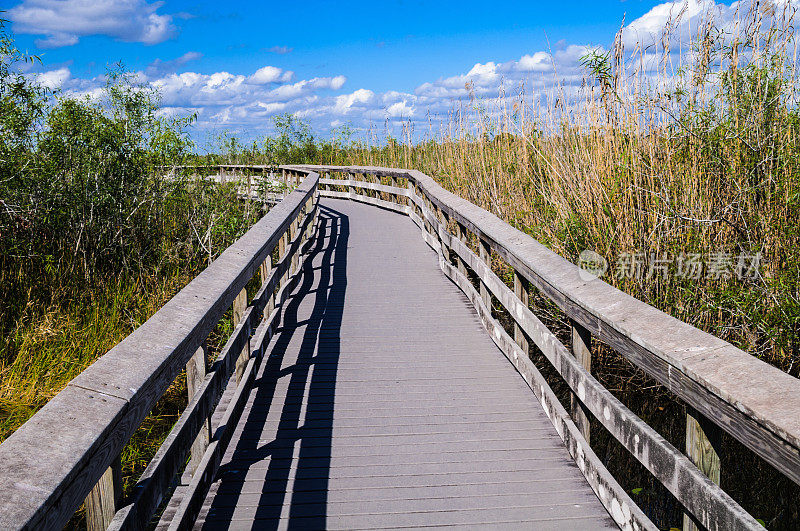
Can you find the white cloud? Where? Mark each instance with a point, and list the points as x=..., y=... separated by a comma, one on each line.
x=401, y=109
x=538, y=62
x=54, y=78
x=269, y=74
x=245, y=101
x=63, y=22
x=346, y=102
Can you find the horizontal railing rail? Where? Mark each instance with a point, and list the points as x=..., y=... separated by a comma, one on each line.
x=70, y=450
x=723, y=386
x=264, y=183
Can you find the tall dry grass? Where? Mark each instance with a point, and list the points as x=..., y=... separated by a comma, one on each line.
x=703, y=160
x=665, y=157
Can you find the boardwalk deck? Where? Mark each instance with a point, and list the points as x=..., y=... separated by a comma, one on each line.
x=384, y=403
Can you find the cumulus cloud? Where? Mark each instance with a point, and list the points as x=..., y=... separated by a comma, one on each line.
x=53, y=79
x=244, y=101
x=347, y=102
x=63, y=22
x=269, y=74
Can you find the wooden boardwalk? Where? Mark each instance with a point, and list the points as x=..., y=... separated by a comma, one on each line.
x=359, y=387
x=384, y=403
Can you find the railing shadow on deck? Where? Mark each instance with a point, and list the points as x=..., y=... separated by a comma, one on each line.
x=312, y=380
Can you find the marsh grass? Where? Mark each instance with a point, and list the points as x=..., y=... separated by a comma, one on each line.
x=656, y=163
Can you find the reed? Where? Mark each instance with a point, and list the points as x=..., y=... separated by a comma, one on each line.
x=661, y=171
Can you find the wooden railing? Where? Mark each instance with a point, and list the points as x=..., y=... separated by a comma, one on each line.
x=722, y=386
x=251, y=180
x=70, y=450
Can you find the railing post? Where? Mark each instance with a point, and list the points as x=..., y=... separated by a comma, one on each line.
x=485, y=253
x=442, y=218
x=239, y=307
x=582, y=350
x=283, y=245
x=102, y=501
x=221, y=175
x=395, y=197
x=351, y=190
x=702, y=444
x=310, y=210
x=461, y=235
x=195, y=373
x=521, y=291
x=292, y=234
x=266, y=269
x=316, y=208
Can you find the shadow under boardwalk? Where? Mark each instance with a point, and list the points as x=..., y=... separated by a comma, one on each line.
x=384, y=403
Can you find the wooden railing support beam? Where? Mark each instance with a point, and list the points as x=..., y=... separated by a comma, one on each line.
x=102, y=501
x=702, y=446
x=582, y=350
x=195, y=373
x=521, y=291
x=485, y=254
x=239, y=307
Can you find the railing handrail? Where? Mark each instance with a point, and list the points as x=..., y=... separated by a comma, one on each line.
x=720, y=383
x=50, y=464
x=732, y=388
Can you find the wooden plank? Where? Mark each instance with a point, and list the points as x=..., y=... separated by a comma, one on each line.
x=170, y=456
x=207, y=466
x=735, y=389
x=195, y=374
x=712, y=506
x=521, y=292
x=485, y=254
x=101, y=504
x=582, y=350
x=239, y=308
x=280, y=456
x=365, y=185
x=702, y=446
x=45, y=492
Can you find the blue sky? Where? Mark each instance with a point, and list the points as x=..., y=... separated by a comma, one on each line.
x=360, y=63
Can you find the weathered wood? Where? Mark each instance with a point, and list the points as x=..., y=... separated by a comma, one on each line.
x=195, y=374
x=101, y=504
x=383, y=467
x=45, y=479
x=239, y=308
x=388, y=205
x=735, y=389
x=206, y=471
x=365, y=185
x=582, y=350
x=462, y=237
x=265, y=269
x=485, y=254
x=171, y=455
x=702, y=446
x=715, y=509
x=626, y=514
x=283, y=245
x=521, y=291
